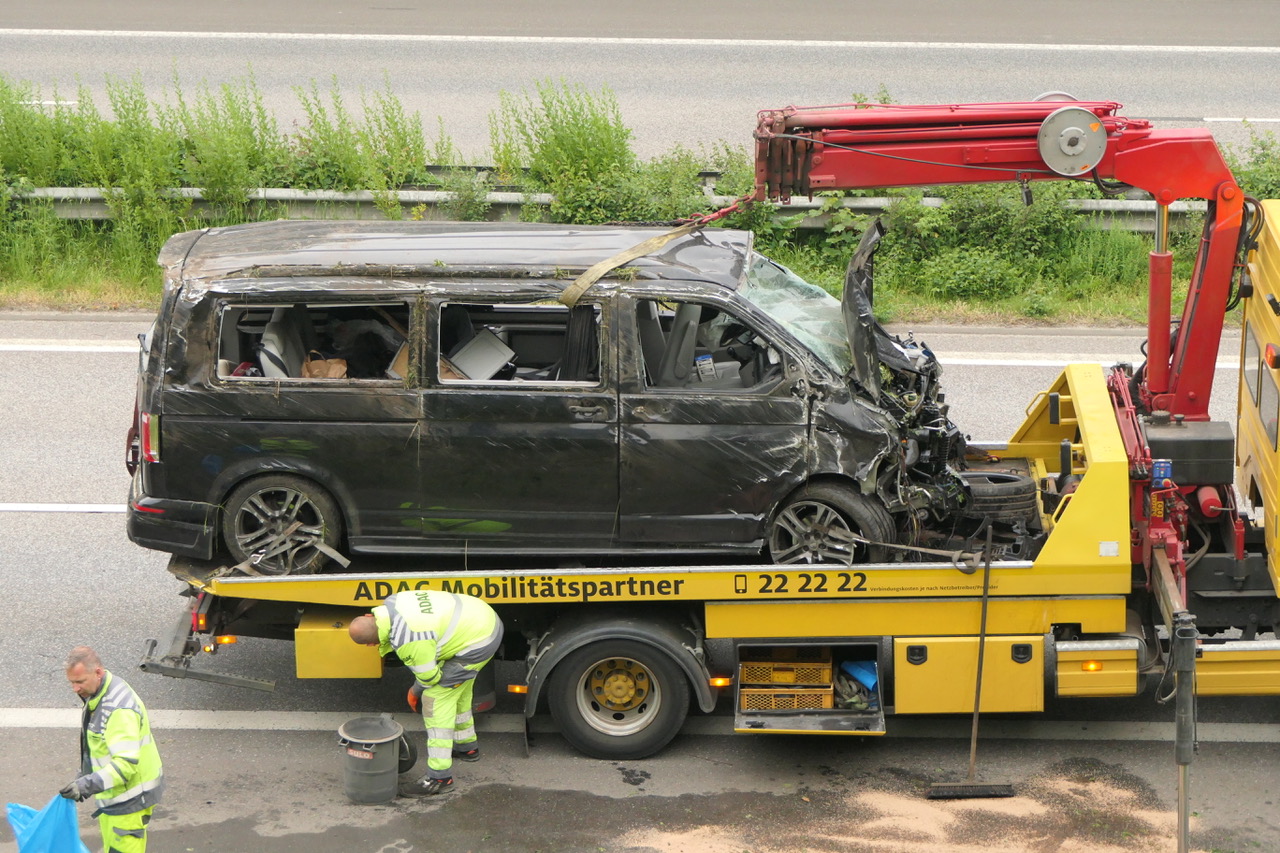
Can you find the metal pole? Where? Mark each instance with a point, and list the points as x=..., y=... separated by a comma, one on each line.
x=1184, y=665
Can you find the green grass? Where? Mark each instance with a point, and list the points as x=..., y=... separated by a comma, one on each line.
x=983, y=257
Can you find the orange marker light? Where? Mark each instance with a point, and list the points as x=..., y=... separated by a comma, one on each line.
x=1092, y=666
x=1271, y=357
x=226, y=639
x=517, y=688
x=721, y=681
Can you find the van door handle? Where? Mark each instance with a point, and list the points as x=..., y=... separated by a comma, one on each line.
x=587, y=413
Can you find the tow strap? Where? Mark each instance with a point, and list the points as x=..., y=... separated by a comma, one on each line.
x=571, y=294
x=249, y=565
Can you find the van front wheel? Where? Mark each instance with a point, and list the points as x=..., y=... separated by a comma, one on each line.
x=277, y=522
x=830, y=523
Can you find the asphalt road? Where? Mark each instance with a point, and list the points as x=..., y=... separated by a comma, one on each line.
x=262, y=771
x=690, y=75
x=1104, y=22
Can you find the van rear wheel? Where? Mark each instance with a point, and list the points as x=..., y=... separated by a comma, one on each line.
x=277, y=522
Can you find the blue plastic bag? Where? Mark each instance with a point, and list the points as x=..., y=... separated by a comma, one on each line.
x=53, y=829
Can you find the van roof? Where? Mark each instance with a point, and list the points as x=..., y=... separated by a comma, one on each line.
x=288, y=248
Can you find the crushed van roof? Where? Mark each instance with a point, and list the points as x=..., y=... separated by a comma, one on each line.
x=414, y=249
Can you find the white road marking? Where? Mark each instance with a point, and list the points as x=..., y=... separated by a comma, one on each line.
x=932, y=728
x=1031, y=361
x=53, y=507
x=648, y=42
x=38, y=346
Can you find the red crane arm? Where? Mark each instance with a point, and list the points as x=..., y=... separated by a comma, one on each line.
x=801, y=150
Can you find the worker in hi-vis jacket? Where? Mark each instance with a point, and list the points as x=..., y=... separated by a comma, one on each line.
x=445, y=639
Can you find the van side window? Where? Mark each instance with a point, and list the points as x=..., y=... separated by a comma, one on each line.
x=519, y=343
x=688, y=345
x=366, y=341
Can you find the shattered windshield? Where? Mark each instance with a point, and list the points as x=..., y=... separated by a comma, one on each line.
x=805, y=310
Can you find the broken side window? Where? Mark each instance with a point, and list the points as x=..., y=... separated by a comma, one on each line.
x=314, y=341
x=519, y=343
x=695, y=346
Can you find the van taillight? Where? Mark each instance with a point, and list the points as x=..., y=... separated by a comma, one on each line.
x=150, y=436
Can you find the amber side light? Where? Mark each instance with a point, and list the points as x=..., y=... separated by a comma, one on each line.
x=1092, y=666
x=720, y=681
x=517, y=688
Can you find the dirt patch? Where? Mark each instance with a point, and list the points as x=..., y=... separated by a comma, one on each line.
x=1080, y=806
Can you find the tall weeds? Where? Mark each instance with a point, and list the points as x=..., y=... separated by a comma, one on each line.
x=983, y=247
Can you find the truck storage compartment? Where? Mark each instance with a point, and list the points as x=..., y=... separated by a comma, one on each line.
x=324, y=650
x=831, y=689
x=937, y=675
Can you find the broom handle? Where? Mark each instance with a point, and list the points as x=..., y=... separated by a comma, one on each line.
x=982, y=648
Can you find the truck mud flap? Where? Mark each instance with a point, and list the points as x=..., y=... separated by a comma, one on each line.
x=177, y=651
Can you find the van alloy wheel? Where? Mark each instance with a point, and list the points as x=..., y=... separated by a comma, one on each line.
x=277, y=521
x=829, y=523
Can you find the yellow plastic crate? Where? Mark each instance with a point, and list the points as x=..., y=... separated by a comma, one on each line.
x=808, y=654
x=768, y=672
x=800, y=699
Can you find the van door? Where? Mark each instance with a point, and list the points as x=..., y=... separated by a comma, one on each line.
x=256, y=415
x=520, y=440
x=713, y=435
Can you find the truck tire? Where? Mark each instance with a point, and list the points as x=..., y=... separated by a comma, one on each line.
x=822, y=523
x=618, y=699
x=1000, y=495
x=259, y=511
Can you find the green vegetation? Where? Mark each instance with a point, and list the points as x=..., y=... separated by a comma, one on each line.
x=978, y=254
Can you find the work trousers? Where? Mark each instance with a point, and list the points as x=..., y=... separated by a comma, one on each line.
x=446, y=713
x=124, y=833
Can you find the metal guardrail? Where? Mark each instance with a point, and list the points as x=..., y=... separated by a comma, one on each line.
x=88, y=203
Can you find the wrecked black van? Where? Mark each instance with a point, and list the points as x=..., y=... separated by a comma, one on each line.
x=311, y=390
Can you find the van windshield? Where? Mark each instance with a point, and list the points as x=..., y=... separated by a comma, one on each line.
x=805, y=310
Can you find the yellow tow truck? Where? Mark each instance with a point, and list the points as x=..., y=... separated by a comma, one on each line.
x=1158, y=526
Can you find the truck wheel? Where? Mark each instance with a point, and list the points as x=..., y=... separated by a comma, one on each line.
x=1000, y=495
x=824, y=523
x=618, y=699
x=258, y=513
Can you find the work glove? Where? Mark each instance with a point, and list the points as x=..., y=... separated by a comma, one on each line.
x=415, y=697
x=73, y=790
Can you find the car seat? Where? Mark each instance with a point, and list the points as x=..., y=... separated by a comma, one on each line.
x=282, y=351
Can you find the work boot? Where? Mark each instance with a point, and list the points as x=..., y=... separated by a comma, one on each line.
x=425, y=787
x=472, y=754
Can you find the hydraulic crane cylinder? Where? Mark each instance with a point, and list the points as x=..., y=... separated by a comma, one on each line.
x=1159, y=299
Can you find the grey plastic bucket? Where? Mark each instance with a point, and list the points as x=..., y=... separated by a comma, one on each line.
x=372, y=745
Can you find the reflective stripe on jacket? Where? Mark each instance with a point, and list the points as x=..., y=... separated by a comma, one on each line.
x=425, y=628
x=117, y=753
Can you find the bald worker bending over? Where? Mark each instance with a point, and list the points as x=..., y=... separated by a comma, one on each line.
x=445, y=639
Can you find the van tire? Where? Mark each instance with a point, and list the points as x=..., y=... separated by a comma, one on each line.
x=814, y=526
x=258, y=511
x=1000, y=495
